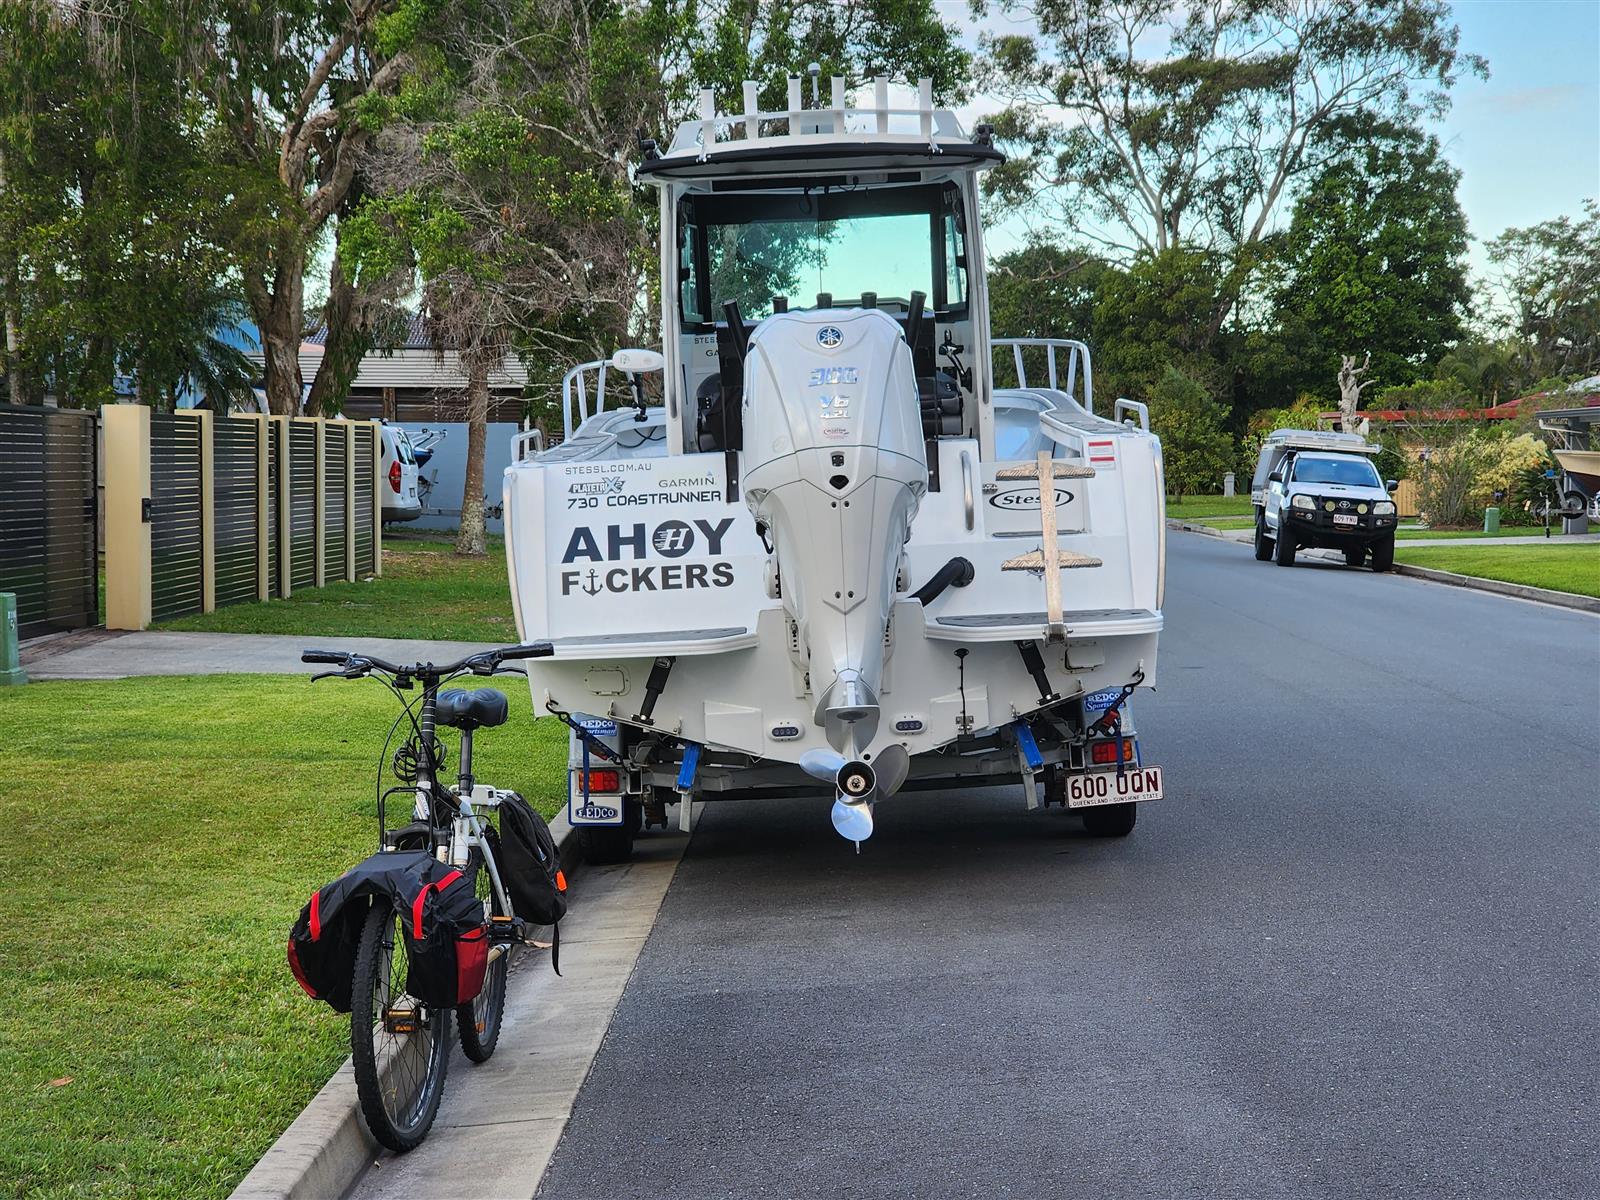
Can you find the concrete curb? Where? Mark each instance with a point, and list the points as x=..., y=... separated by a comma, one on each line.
x=1518, y=591
x=327, y=1147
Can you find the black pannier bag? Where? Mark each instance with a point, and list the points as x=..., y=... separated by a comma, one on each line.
x=453, y=945
x=448, y=942
x=530, y=864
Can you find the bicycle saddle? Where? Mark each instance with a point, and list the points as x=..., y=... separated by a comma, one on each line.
x=481, y=707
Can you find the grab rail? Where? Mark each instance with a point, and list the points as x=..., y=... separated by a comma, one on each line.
x=574, y=385
x=1076, y=351
x=1123, y=405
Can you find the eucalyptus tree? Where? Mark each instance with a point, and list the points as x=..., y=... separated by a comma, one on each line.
x=1550, y=273
x=297, y=89
x=1151, y=125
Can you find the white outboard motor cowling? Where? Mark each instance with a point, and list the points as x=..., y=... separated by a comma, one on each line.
x=834, y=468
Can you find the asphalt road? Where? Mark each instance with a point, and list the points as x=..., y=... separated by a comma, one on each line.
x=1353, y=954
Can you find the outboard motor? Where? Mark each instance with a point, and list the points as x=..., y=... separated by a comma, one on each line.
x=834, y=468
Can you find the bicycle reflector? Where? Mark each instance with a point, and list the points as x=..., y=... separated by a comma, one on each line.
x=1106, y=751
x=394, y=476
x=605, y=780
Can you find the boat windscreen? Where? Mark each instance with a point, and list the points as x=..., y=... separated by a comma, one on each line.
x=845, y=244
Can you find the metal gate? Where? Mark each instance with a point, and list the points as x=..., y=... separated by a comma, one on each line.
x=334, y=480
x=361, y=519
x=176, y=562
x=235, y=443
x=302, y=502
x=48, y=517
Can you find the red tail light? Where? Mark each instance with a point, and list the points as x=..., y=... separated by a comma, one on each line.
x=1106, y=751
x=394, y=476
x=605, y=781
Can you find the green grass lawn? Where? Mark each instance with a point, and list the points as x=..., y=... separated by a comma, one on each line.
x=425, y=591
x=1563, y=568
x=1431, y=535
x=161, y=836
x=1208, y=506
x=1225, y=522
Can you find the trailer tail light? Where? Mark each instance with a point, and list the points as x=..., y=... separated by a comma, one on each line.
x=1105, y=752
x=394, y=477
x=605, y=780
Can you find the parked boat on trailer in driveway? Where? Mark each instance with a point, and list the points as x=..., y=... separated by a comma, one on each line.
x=813, y=537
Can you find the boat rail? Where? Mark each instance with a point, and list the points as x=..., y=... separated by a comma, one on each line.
x=1076, y=352
x=575, y=393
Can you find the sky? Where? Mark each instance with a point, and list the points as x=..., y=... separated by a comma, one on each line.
x=1526, y=140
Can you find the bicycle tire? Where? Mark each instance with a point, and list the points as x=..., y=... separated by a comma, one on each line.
x=479, y=1021
x=399, y=1094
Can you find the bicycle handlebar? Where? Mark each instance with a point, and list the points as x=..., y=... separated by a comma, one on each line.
x=484, y=662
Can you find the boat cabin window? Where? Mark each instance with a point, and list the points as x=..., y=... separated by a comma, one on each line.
x=843, y=242
x=1352, y=472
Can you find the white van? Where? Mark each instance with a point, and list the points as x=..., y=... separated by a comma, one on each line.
x=400, y=499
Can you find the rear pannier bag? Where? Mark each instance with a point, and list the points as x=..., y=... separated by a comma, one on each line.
x=322, y=943
x=448, y=942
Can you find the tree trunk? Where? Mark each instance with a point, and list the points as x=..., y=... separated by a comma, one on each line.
x=471, y=539
x=11, y=301
x=342, y=347
x=281, y=321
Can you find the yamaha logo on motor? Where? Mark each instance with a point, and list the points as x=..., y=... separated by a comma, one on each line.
x=829, y=337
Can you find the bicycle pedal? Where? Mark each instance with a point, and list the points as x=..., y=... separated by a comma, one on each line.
x=400, y=1020
x=507, y=929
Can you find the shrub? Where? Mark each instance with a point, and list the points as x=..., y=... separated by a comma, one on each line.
x=1458, y=458
x=1517, y=471
x=1195, y=448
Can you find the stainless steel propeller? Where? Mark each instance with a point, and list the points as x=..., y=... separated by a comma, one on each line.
x=858, y=784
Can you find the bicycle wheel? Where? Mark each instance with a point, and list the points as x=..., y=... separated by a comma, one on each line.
x=401, y=1050
x=479, y=1022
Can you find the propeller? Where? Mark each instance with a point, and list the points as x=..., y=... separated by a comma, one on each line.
x=858, y=784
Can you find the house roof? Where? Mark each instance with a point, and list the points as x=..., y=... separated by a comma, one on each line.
x=411, y=365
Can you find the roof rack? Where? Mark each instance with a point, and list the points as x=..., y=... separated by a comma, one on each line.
x=1320, y=439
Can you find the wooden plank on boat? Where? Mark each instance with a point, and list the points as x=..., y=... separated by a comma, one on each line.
x=1034, y=470
x=1034, y=561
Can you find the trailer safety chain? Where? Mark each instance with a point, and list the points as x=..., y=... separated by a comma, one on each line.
x=1113, y=715
x=588, y=740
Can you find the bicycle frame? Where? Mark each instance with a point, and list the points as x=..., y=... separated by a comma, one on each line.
x=466, y=827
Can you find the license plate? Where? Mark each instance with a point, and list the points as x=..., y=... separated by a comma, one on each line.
x=600, y=808
x=1344, y=519
x=1108, y=787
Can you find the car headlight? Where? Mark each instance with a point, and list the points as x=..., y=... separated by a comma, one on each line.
x=1303, y=502
x=1383, y=508
x=1362, y=509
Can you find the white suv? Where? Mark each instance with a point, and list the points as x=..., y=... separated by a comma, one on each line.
x=400, y=499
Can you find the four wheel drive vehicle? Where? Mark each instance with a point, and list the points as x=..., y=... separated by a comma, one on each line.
x=1314, y=489
x=399, y=467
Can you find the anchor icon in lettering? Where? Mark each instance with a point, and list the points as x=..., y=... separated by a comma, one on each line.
x=592, y=587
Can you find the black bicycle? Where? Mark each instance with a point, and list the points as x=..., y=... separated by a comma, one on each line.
x=401, y=1047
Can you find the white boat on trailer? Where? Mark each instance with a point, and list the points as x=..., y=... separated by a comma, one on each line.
x=835, y=549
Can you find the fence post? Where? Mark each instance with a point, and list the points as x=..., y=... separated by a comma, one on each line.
x=263, y=511
x=127, y=451
x=285, y=510
x=321, y=506
x=208, y=511
x=350, y=428
x=377, y=499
